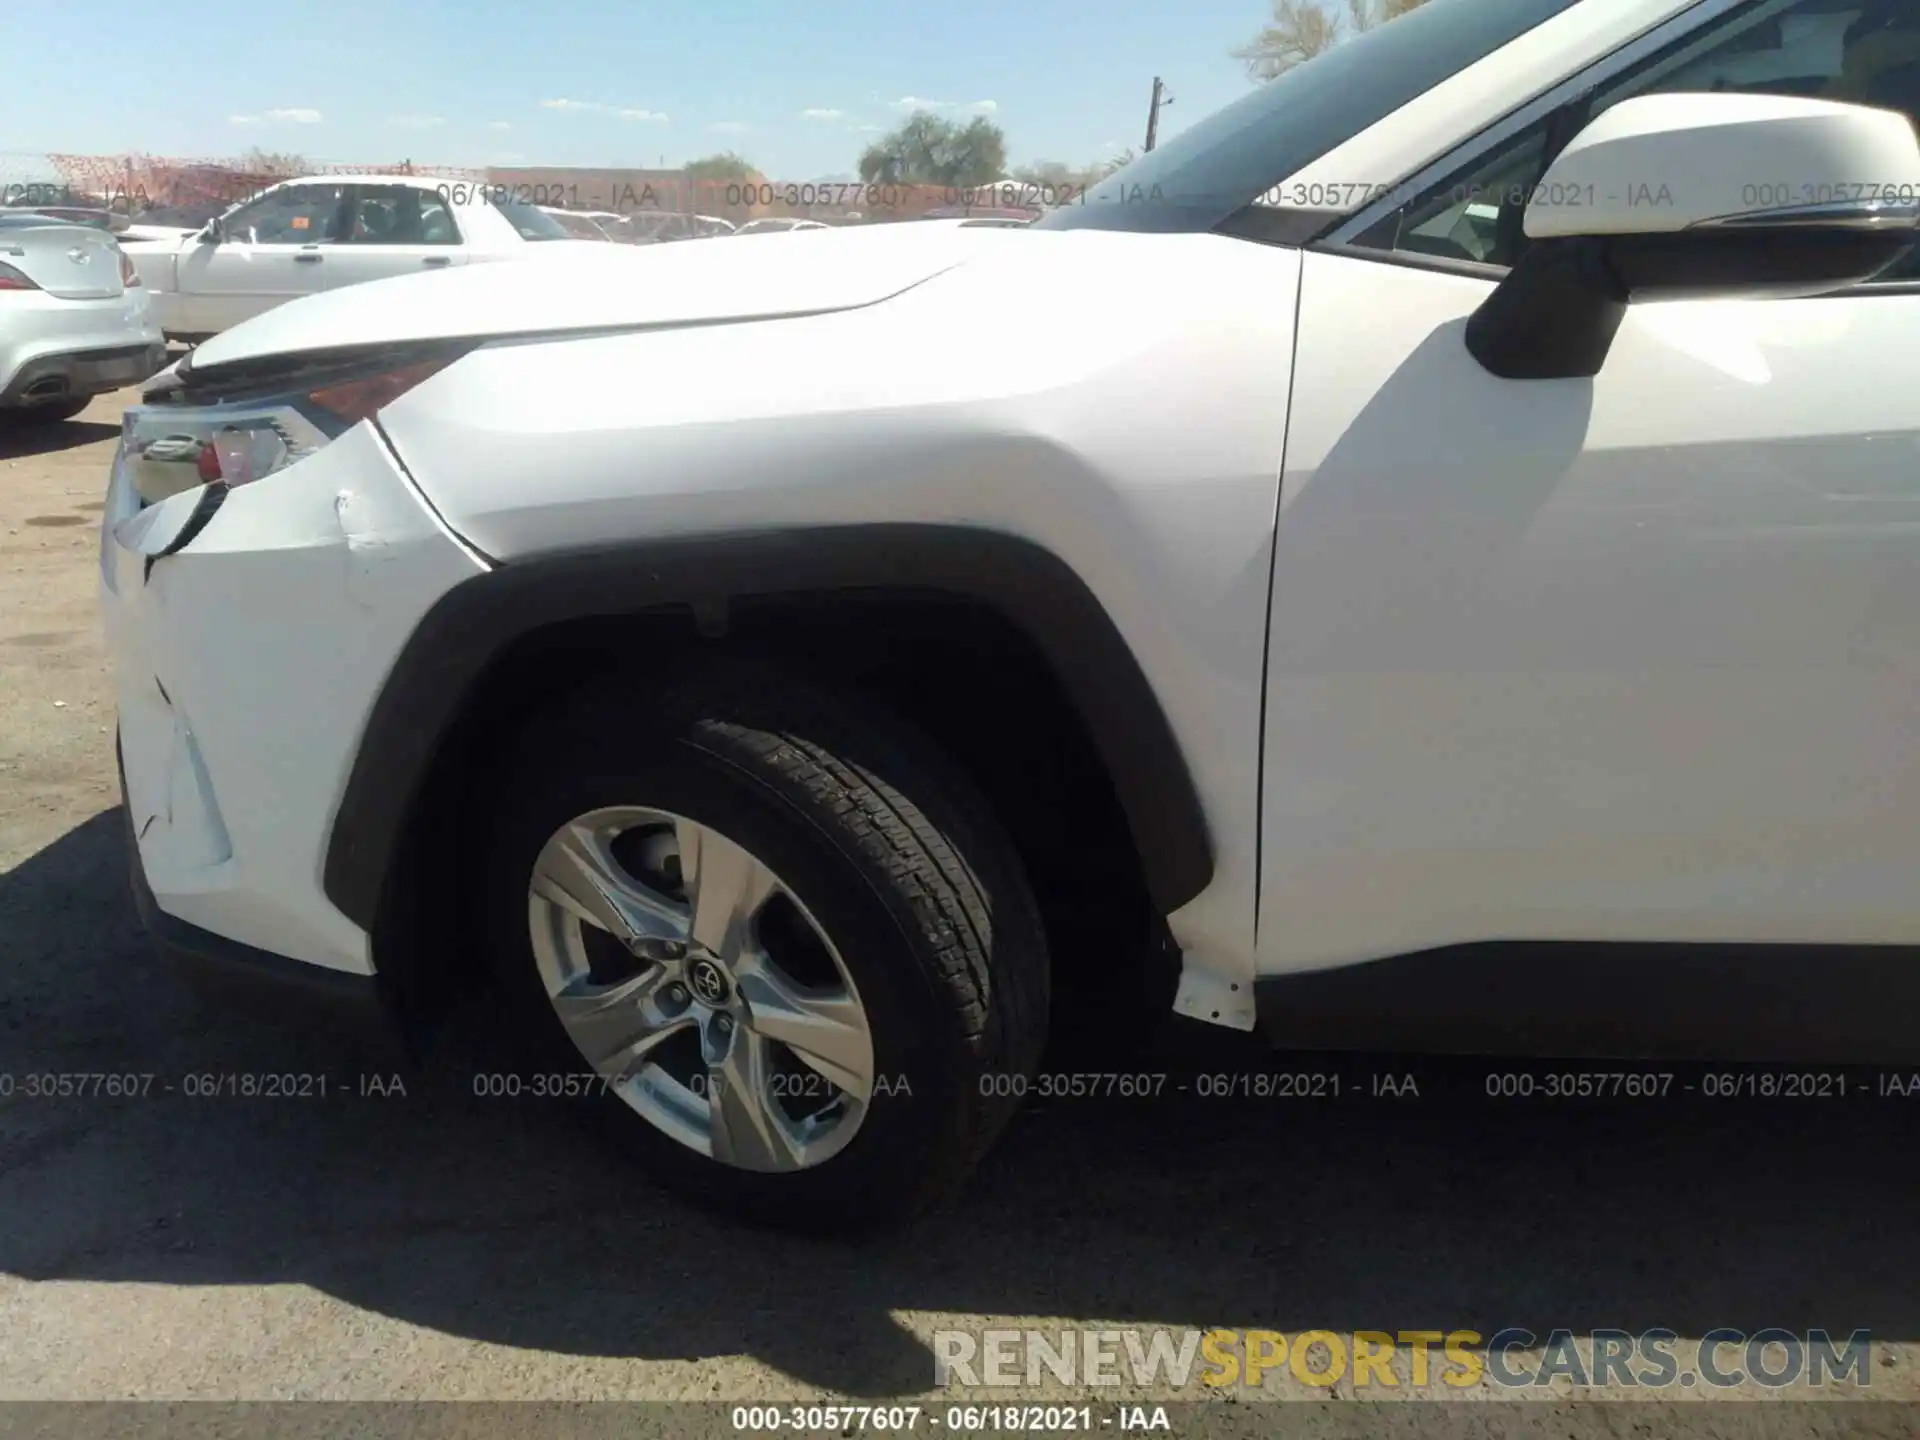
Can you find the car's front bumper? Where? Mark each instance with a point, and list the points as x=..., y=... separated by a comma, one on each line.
x=252, y=979
x=245, y=665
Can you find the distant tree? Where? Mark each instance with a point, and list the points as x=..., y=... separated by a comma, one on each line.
x=275, y=163
x=927, y=150
x=1302, y=29
x=1057, y=177
x=725, y=166
x=1049, y=174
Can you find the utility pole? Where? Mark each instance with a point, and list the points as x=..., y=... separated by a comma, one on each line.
x=1160, y=100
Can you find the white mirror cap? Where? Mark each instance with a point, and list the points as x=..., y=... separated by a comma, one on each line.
x=1666, y=163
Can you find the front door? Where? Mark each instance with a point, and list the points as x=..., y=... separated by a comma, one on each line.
x=1632, y=658
x=273, y=249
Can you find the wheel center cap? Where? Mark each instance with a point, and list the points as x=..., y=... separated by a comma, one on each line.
x=709, y=982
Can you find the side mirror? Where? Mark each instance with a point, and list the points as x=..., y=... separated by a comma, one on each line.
x=1685, y=197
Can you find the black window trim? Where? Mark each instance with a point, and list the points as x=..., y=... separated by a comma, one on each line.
x=1338, y=235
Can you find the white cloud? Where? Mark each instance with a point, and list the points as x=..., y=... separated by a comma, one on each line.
x=296, y=116
x=594, y=107
x=972, y=107
x=823, y=114
x=498, y=125
x=418, y=122
x=870, y=129
x=732, y=127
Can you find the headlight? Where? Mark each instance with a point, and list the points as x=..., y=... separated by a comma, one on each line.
x=237, y=424
x=167, y=449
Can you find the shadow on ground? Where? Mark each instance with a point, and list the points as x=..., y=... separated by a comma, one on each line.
x=498, y=1220
x=18, y=440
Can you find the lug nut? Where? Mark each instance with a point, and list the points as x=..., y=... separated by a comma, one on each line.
x=677, y=994
x=723, y=1023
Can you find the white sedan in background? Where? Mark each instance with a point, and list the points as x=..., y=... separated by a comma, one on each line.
x=330, y=231
x=584, y=224
x=779, y=225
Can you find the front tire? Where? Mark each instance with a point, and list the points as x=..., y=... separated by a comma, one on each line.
x=781, y=936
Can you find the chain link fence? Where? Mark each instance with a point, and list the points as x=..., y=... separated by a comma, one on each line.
x=188, y=191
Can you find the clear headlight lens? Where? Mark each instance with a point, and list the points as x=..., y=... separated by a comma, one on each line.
x=173, y=444
x=169, y=449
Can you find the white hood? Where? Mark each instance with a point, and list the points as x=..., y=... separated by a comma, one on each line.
x=600, y=287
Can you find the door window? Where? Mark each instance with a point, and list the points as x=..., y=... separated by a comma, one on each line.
x=291, y=215
x=1865, y=52
x=400, y=215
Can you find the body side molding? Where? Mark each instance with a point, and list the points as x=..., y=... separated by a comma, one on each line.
x=1028, y=585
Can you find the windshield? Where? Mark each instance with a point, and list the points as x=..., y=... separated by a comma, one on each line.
x=531, y=221
x=579, y=227
x=1208, y=172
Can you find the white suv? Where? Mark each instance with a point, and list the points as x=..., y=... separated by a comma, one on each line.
x=1463, y=493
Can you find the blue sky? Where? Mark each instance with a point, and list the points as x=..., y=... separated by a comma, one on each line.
x=799, y=88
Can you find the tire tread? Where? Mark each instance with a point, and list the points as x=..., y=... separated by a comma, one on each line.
x=909, y=819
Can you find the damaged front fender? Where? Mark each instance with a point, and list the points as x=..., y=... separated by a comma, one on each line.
x=250, y=636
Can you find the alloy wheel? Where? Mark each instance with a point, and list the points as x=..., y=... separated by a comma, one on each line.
x=700, y=988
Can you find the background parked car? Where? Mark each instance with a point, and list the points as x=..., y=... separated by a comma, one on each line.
x=75, y=321
x=94, y=217
x=987, y=216
x=584, y=224
x=658, y=227
x=326, y=232
x=779, y=224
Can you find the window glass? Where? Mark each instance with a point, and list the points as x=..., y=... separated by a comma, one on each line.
x=529, y=221
x=580, y=227
x=1213, y=168
x=400, y=215
x=1862, y=51
x=291, y=215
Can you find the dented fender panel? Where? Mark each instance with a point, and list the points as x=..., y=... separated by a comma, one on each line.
x=238, y=727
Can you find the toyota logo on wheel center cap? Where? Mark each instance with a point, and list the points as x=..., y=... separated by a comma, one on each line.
x=708, y=981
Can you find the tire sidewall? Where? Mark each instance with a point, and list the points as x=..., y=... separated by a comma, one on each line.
x=926, y=1083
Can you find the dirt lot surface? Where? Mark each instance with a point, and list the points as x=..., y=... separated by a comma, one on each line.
x=442, y=1246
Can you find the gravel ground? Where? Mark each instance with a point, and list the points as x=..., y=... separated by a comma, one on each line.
x=439, y=1246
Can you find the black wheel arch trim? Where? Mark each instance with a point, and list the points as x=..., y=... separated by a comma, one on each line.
x=450, y=650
